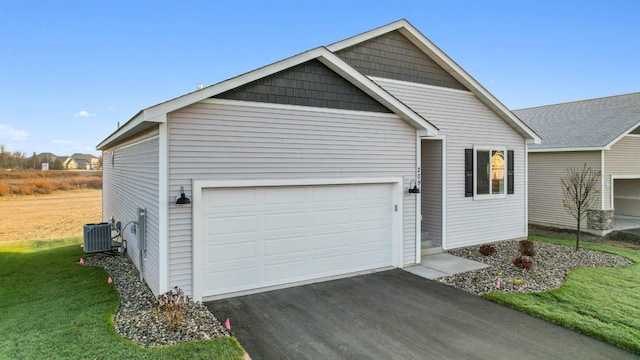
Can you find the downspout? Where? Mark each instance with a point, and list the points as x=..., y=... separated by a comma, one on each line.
x=164, y=201
x=602, y=182
x=443, y=176
x=418, y=198
x=526, y=187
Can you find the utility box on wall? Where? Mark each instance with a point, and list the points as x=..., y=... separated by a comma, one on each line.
x=97, y=237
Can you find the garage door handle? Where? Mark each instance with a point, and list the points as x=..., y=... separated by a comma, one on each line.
x=396, y=207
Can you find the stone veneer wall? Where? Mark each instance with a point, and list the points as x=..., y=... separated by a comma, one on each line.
x=600, y=219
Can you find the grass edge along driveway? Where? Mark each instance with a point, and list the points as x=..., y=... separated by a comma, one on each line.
x=603, y=303
x=53, y=308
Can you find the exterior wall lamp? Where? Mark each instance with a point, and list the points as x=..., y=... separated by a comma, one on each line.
x=182, y=200
x=414, y=189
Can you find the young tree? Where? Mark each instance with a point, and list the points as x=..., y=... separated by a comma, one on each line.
x=580, y=191
x=35, y=163
x=3, y=157
x=56, y=165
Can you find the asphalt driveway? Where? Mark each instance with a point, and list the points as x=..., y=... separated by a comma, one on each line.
x=395, y=315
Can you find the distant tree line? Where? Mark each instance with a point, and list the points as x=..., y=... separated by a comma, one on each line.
x=19, y=161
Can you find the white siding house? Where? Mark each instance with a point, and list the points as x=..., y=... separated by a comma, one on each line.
x=330, y=163
x=602, y=133
x=130, y=181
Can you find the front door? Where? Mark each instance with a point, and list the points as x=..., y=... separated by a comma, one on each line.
x=432, y=195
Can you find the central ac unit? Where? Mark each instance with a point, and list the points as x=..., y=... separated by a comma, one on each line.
x=97, y=237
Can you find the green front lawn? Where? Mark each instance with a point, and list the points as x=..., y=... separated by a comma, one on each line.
x=601, y=302
x=53, y=308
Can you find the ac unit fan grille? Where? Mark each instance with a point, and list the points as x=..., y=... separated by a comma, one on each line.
x=97, y=237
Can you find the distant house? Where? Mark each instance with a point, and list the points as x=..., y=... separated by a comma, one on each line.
x=49, y=157
x=604, y=133
x=52, y=161
x=361, y=155
x=79, y=161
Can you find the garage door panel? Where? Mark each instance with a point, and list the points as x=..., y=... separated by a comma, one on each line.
x=330, y=217
x=331, y=265
x=365, y=258
x=371, y=236
x=281, y=245
x=232, y=251
x=232, y=198
x=232, y=225
x=336, y=241
x=285, y=220
x=228, y=280
x=295, y=233
x=329, y=194
x=284, y=272
x=286, y=195
x=372, y=214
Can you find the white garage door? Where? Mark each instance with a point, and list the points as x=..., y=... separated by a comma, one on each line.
x=265, y=236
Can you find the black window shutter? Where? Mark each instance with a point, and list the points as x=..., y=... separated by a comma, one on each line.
x=510, y=162
x=468, y=172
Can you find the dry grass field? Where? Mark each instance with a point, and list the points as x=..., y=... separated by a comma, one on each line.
x=57, y=215
x=16, y=183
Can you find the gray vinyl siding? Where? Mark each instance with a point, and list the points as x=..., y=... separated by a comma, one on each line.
x=466, y=122
x=231, y=140
x=622, y=159
x=308, y=84
x=393, y=56
x=431, y=190
x=130, y=181
x=545, y=188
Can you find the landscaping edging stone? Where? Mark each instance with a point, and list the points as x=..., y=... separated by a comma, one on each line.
x=552, y=264
x=137, y=319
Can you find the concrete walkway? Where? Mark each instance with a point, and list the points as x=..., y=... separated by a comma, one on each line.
x=395, y=315
x=443, y=264
x=625, y=222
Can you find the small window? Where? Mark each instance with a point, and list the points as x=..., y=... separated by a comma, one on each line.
x=492, y=175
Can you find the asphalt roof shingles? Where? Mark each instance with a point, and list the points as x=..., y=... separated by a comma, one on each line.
x=583, y=124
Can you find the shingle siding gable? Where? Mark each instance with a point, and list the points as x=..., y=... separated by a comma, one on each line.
x=307, y=84
x=393, y=56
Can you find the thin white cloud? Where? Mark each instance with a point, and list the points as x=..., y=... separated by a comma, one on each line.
x=62, y=141
x=110, y=108
x=8, y=132
x=84, y=113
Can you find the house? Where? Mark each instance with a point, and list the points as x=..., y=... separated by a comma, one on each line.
x=47, y=157
x=603, y=133
x=347, y=158
x=53, y=161
x=79, y=161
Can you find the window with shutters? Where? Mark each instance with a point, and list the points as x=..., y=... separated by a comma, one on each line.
x=488, y=172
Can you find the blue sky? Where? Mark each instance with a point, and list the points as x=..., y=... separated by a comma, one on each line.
x=71, y=70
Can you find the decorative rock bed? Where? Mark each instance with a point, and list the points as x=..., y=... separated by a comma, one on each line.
x=137, y=318
x=552, y=264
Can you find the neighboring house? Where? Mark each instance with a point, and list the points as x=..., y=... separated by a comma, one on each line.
x=54, y=162
x=49, y=157
x=305, y=169
x=603, y=133
x=79, y=161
